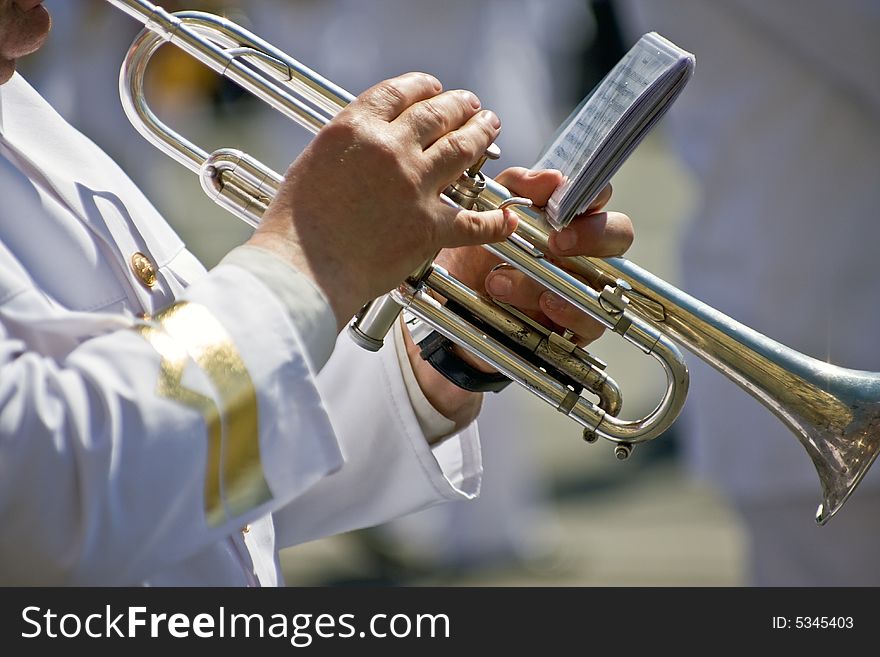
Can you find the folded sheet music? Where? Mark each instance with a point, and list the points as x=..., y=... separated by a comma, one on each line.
x=600, y=134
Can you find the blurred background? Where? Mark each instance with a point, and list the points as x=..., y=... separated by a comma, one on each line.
x=554, y=510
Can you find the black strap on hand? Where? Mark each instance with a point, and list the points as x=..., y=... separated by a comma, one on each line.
x=438, y=350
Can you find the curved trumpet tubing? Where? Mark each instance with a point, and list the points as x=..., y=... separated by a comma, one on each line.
x=834, y=412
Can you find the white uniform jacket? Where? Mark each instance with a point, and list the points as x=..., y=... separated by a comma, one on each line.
x=135, y=450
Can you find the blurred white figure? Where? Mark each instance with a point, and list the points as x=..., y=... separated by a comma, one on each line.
x=780, y=127
x=517, y=56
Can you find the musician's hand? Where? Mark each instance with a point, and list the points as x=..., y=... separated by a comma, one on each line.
x=359, y=210
x=595, y=233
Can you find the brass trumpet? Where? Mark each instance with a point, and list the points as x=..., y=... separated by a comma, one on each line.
x=834, y=412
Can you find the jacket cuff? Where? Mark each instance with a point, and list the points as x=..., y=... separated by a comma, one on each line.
x=306, y=305
x=433, y=423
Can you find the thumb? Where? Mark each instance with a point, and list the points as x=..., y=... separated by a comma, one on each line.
x=470, y=228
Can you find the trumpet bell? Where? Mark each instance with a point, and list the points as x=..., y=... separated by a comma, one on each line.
x=833, y=411
x=837, y=418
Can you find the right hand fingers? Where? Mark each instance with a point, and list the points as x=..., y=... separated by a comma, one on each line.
x=389, y=98
x=451, y=133
x=450, y=128
x=432, y=118
x=457, y=150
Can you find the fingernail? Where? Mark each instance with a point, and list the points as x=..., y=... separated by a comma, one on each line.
x=511, y=221
x=499, y=285
x=565, y=239
x=493, y=120
x=434, y=82
x=552, y=302
x=471, y=98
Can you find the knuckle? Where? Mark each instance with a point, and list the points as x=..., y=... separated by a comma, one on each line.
x=430, y=114
x=390, y=92
x=386, y=154
x=345, y=126
x=408, y=185
x=470, y=223
x=460, y=146
x=465, y=228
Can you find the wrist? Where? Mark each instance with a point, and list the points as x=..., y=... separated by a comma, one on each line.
x=342, y=302
x=455, y=403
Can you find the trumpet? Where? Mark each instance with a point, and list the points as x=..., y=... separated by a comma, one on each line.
x=834, y=412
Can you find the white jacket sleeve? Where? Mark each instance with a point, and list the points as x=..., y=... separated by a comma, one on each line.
x=140, y=445
x=389, y=469
x=381, y=418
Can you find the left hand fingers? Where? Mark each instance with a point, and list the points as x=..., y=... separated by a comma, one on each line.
x=600, y=235
x=559, y=311
x=510, y=286
x=594, y=233
x=600, y=201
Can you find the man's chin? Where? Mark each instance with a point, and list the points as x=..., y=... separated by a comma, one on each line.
x=33, y=31
x=42, y=21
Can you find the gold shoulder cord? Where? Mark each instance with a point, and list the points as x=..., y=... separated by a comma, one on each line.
x=184, y=332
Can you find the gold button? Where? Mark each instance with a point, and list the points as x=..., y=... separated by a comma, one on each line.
x=245, y=529
x=143, y=269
